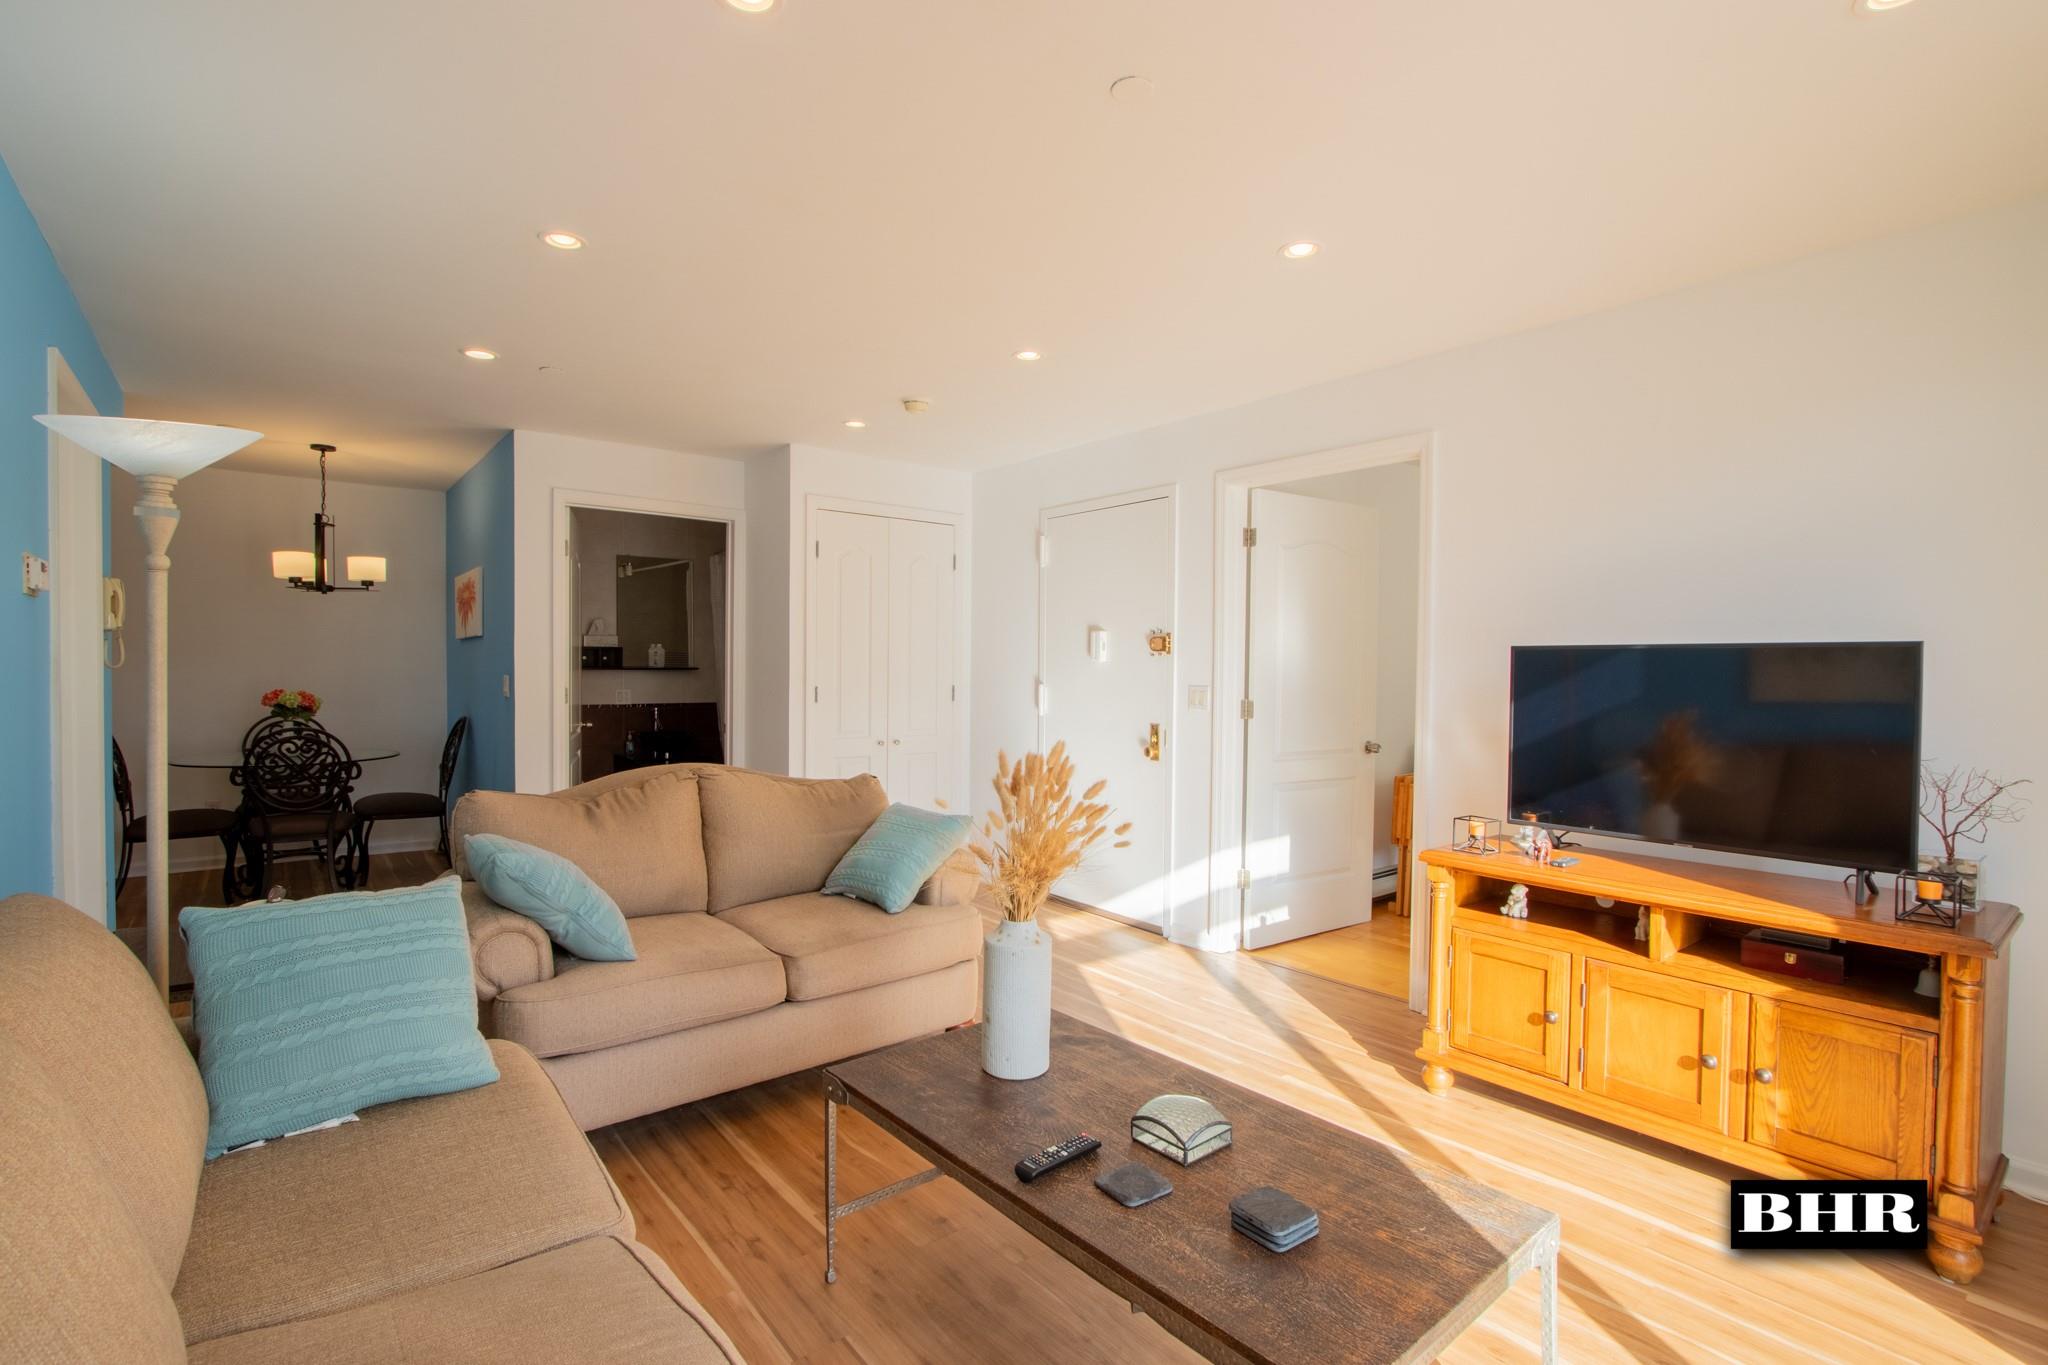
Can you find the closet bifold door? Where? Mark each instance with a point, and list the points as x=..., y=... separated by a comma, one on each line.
x=847, y=646
x=920, y=654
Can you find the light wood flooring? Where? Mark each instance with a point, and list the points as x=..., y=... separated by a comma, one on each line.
x=302, y=877
x=729, y=1191
x=1372, y=956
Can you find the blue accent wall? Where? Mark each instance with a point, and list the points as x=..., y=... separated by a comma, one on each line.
x=480, y=533
x=37, y=311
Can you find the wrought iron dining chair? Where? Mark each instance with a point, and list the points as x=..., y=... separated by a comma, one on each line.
x=409, y=805
x=296, y=778
x=193, y=822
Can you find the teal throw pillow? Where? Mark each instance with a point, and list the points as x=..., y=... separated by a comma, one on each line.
x=308, y=1011
x=897, y=855
x=552, y=892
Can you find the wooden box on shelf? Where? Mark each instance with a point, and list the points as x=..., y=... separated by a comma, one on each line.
x=1675, y=1035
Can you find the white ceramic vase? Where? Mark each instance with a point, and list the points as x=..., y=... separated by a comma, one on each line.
x=1016, y=1001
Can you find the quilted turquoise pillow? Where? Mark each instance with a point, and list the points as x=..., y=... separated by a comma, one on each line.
x=311, y=1010
x=552, y=892
x=897, y=855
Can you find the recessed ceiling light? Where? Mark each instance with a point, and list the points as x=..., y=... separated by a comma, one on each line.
x=855, y=423
x=1880, y=6
x=1029, y=355
x=563, y=241
x=1130, y=90
x=1299, y=251
x=479, y=353
x=752, y=6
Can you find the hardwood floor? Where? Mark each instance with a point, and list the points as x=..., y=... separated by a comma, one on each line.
x=729, y=1190
x=300, y=878
x=1372, y=956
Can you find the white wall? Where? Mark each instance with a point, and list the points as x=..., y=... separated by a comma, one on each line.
x=796, y=479
x=1851, y=446
x=378, y=660
x=1394, y=493
x=543, y=465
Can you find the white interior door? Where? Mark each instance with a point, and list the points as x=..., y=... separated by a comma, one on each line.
x=1107, y=584
x=920, y=687
x=1311, y=630
x=847, y=646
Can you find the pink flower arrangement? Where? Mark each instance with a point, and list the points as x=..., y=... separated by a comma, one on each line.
x=291, y=703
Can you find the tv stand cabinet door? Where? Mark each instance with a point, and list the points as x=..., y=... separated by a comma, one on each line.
x=1846, y=1094
x=1509, y=1002
x=1666, y=1045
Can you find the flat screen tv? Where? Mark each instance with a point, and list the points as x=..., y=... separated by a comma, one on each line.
x=1808, y=752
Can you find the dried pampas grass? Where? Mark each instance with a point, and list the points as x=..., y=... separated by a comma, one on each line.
x=1040, y=831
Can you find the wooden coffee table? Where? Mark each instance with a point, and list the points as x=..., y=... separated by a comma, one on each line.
x=1408, y=1255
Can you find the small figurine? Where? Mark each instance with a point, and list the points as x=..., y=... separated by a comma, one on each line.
x=1525, y=840
x=1541, y=847
x=1517, y=905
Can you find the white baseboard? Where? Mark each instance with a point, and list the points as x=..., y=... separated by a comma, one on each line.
x=2028, y=1179
x=199, y=855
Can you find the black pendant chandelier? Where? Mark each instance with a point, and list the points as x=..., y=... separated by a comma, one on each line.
x=314, y=570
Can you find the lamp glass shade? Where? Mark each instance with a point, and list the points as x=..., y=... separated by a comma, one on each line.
x=291, y=563
x=143, y=447
x=366, y=568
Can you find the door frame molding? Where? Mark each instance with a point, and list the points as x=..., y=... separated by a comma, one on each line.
x=80, y=758
x=562, y=614
x=800, y=681
x=1225, y=927
x=1170, y=494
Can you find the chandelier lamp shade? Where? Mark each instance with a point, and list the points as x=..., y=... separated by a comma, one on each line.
x=158, y=454
x=314, y=570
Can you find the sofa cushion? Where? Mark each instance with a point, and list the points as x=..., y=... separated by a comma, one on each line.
x=311, y=1010
x=830, y=945
x=80, y=1284
x=897, y=855
x=554, y=893
x=767, y=836
x=690, y=970
x=84, y=1010
x=640, y=840
x=414, y=1194
x=598, y=1300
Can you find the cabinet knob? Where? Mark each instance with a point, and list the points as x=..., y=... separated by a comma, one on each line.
x=1764, y=1075
x=895, y=741
x=1550, y=1016
x=878, y=744
x=1710, y=1061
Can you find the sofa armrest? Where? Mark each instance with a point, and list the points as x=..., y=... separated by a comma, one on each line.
x=957, y=882
x=505, y=949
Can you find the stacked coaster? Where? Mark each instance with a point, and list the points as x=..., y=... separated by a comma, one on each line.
x=1274, y=1219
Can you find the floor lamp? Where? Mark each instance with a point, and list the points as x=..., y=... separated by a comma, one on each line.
x=158, y=454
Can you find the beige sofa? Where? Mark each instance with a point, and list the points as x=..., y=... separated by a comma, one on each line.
x=745, y=972
x=478, y=1226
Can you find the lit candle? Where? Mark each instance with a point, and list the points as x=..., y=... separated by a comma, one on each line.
x=1475, y=832
x=1929, y=889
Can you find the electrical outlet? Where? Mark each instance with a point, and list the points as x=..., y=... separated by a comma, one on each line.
x=35, y=575
x=623, y=696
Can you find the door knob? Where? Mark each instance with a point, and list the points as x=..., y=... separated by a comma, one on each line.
x=878, y=744
x=1710, y=1061
x=1764, y=1075
x=1372, y=746
x=1550, y=1016
x=1154, y=745
x=895, y=741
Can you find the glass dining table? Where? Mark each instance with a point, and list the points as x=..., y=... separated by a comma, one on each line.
x=249, y=879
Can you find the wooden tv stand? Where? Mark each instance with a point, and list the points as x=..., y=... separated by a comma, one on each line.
x=1672, y=1036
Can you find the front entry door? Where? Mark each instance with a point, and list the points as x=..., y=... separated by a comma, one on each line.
x=1309, y=676
x=1107, y=588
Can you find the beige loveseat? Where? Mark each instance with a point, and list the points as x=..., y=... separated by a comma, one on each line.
x=478, y=1226
x=745, y=972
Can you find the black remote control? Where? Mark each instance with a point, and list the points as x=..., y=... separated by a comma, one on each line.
x=1059, y=1154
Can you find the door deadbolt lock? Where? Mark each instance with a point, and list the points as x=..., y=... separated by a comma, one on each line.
x=1160, y=642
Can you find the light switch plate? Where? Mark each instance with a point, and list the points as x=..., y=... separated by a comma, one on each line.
x=35, y=575
x=508, y=684
x=1198, y=699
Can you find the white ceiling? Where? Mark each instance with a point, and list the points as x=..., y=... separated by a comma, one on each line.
x=290, y=217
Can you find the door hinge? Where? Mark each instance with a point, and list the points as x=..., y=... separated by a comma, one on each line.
x=1244, y=709
x=1244, y=879
x=1582, y=995
x=1044, y=700
x=814, y=695
x=1251, y=536
x=953, y=692
x=565, y=549
x=1044, y=549
x=1582, y=1061
x=956, y=563
x=817, y=549
x=565, y=696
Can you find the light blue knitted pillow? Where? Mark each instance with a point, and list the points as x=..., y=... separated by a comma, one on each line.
x=897, y=855
x=552, y=892
x=311, y=1010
